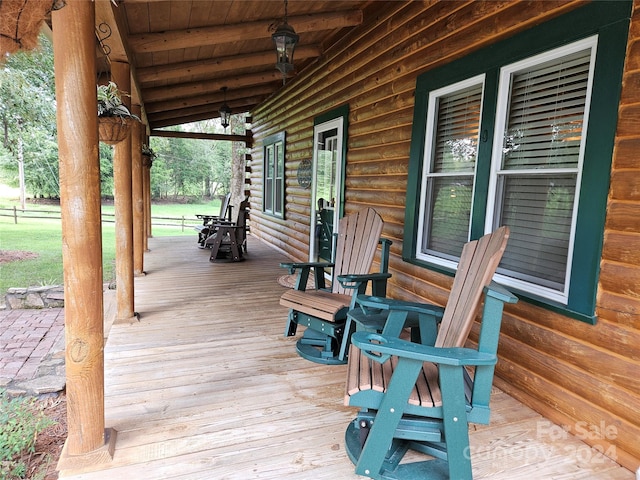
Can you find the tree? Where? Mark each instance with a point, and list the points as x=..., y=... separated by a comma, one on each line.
x=28, y=119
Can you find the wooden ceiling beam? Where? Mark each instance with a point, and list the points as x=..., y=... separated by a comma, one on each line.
x=239, y=105
x=204, y=36
x=201, y=136
x=212, y=66
x=208, y=99
x=209, y=86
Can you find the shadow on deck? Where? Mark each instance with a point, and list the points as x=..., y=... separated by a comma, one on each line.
x=205, y=386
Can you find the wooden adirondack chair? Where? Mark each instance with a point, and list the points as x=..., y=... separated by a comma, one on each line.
x=323, y=310
x=208, y=221
x=422, y=396
x=229, y=240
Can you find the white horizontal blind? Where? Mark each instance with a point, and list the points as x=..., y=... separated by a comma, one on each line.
x=455, y=120
x=537, y=180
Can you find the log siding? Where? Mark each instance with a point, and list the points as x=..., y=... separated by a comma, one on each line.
x=576, y=374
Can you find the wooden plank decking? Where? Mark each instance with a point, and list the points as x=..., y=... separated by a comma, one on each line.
x=205, y=386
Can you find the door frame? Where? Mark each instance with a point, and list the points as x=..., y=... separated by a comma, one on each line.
x=338, y=119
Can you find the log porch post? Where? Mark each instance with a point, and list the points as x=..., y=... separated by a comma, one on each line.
x=120, y=74
x=147, y=191
x=138, y=195
x=75, y=71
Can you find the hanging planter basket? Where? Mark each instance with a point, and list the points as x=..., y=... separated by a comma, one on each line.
x=112, y=130
x=20, y=23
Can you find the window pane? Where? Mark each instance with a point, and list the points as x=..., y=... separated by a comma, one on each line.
x=449, y=209
x=449, y=172
x=546, y=111
x=538, y=209
x=456, y=139
x=268, y=195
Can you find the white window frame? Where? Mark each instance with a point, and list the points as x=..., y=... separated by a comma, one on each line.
x=432, y=110
x=504, y=90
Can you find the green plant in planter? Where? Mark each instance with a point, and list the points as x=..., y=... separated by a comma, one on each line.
x=110, y=102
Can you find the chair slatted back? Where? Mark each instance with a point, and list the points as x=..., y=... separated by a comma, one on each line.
x=358, y=235
x=224, y=207
x=478, y=263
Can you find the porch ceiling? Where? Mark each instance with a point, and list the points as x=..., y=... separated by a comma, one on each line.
x=182, y=52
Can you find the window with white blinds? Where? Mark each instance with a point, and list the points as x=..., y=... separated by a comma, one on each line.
x=450, y=158
x=538, y=146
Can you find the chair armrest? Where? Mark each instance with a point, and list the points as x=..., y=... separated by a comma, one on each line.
x=294, y=266
x=360, y=278
x=380, y=348
x=400, y=305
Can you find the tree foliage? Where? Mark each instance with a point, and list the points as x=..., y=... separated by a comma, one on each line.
x=28, y=119
x=184, y=167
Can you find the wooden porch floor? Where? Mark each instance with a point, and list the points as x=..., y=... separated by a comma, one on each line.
x=205, y=386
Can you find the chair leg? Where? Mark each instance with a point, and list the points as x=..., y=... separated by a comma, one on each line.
x=388, y=417
x=456, y=429
x=292, y=324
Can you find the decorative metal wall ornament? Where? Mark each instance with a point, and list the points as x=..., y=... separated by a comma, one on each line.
x=103, y=31
x=304, y=174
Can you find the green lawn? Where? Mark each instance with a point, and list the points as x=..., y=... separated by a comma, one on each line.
x=44, y=237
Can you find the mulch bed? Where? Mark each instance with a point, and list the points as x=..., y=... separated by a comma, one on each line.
x=7, y=256
x=50, y=441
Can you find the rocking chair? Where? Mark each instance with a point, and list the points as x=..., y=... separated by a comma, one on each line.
x=422, y=396
x=208, y=221
x=229, y=240
x=324, y=310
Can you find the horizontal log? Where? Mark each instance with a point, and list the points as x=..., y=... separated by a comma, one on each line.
x=623, y=216
x=626, y=153
x=619, y=311
x=625, y=184
x=200, y=136
x=199, y=37
x=561, y=405
x=212, y=99
x=630, y=88
x=211, y=67
x=211, y=86
x=622, y=247
x=629, y=121
x=620, y=278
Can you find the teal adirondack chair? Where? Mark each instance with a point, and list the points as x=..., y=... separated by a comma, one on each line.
x=323, y=310
x=421, y=396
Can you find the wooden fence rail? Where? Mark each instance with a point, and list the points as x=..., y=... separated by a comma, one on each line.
x=30, y=214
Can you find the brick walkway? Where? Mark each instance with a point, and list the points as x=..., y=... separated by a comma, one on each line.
x=26, y=338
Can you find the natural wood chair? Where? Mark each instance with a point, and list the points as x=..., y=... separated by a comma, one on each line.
x=323, y=310
x=229, y=240
x=208, y=221
x=422, y=396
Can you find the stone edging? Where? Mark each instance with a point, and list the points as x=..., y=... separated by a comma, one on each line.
x=48, y=296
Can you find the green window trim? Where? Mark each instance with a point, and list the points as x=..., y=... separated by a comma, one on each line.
x=608, y=20
x=273, y=151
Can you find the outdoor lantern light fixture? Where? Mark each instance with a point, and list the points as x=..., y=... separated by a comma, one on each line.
x=285, y=39
x=225, y=111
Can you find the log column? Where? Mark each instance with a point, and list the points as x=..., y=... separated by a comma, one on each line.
x=120, y=74
x=75, y=70
x=147, y=192
x=139, y=226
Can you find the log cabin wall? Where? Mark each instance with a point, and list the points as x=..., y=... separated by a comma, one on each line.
x=584, y=377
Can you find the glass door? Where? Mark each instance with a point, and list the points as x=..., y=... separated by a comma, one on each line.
x=327, y=188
